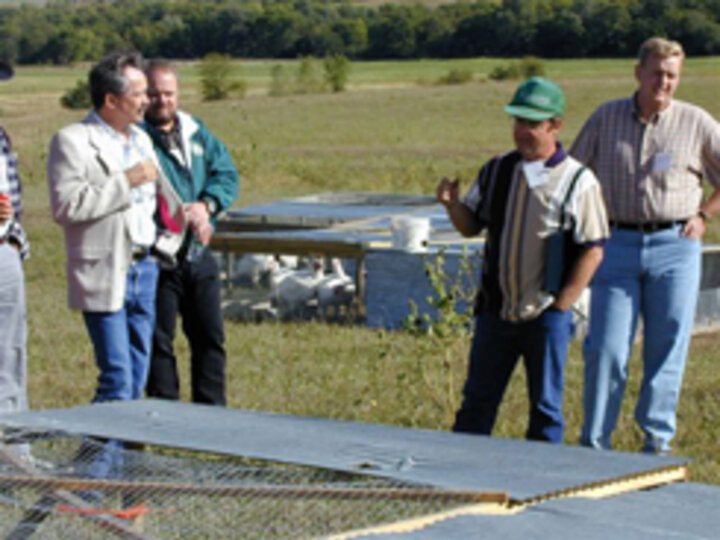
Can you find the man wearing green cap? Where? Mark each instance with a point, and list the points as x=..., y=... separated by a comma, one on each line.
x=520, y=198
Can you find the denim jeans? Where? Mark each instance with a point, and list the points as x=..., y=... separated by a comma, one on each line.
x=13, y=332
x=655, y=275
x=122, y=339
x=496, y=348
x=191, y=289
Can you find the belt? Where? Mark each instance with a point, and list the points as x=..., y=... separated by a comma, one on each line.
x=139, y=253
x=647, y=227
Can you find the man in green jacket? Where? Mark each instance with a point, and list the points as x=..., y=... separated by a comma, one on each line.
x=204, y=175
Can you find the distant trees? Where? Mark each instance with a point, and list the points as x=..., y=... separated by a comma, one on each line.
x=66, y=32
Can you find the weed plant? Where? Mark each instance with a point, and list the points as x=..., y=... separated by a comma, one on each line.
x=309, y=78
x=77, y=97
x=445, y=328
x=337, y=68
x=456, y=76
x=216, y=78
x=530, y=66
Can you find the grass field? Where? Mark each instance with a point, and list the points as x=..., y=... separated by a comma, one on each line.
x=393, y=131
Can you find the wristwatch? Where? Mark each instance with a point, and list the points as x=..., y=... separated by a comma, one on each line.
x=704, y=215
x=212, y=205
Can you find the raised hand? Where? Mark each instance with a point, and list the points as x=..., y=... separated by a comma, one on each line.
x=448, y=191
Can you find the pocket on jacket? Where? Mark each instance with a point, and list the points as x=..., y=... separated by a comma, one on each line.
x=89, y=268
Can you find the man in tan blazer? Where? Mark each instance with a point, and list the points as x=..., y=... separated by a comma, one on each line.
x=119, y=215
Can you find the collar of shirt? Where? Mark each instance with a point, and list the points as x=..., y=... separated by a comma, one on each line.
x=637, y=115
x=558, y=157
x=128, y=143
x=114, y=133
x=537, y=172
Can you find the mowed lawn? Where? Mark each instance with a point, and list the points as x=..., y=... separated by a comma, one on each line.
x=392, y=131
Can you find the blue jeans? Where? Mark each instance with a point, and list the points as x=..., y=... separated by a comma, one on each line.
x=13, y=332
x=656, y=275
x=122, y=339
x=496, y=347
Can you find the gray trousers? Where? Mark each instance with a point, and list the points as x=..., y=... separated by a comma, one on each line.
x=13, y=332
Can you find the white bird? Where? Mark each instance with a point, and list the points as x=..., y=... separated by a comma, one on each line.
x=293, y=289
x=288, y=261
x=337, y=288
x=275, y=276
x=252, y=267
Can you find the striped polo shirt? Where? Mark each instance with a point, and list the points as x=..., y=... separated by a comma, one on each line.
x=518, y=215
x=651, y=171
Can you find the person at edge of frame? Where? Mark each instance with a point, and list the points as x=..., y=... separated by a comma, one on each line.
x=651, y=154
x=14, y=248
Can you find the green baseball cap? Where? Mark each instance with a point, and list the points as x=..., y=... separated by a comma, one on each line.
x=537, y=99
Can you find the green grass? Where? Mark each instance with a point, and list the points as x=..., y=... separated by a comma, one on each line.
x=387, y=133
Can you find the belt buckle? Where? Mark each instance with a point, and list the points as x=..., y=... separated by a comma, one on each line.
x=663, y=225
x=649, y=227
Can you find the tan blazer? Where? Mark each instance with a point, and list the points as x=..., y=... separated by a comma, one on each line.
x=90, y=199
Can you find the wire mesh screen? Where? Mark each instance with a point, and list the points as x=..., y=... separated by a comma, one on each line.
x=55, y=485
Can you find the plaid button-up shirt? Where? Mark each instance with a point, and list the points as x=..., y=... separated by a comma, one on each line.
x=15, y=232
x=651, y=171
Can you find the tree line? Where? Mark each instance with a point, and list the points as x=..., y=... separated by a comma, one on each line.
x=69, y=31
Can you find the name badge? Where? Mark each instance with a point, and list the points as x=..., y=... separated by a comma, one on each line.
x=196, y=149
x=662, y=162
x=536, y=173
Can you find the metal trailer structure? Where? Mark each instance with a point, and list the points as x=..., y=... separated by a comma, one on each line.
x=356, y=227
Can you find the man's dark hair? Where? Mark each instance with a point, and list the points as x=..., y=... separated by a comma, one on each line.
x=160, y=64
x=107, y=77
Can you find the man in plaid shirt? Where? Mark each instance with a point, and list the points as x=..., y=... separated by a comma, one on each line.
x=13, y=248
x=652, y=154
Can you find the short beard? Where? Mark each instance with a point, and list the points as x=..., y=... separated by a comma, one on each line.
x=157, y=120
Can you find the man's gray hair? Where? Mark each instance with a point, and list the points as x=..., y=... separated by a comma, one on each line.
x=107, y=77
x=657, y=46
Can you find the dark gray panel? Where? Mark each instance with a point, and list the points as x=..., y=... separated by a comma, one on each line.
x=454, y=461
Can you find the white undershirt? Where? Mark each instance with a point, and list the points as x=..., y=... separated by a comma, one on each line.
x=142, y=227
